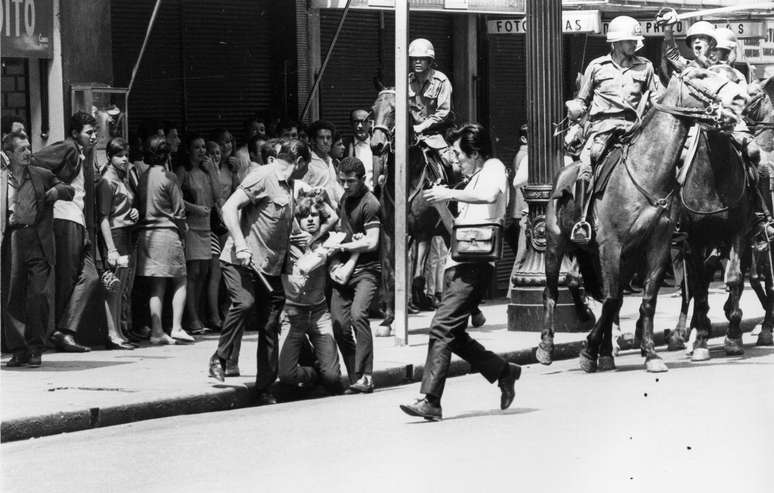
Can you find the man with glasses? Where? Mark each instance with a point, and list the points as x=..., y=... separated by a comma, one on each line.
x=361, y=144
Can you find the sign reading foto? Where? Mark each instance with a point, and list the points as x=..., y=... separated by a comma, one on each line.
x=573, y=21
x=26, y=27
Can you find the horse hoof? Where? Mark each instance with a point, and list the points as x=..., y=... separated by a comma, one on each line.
x=700, y=354
x=605, y=363
x=656, y=365
x=587, y=364
x=765, y=338
x=383, y=331
x=733, y=347
x=543, y=353
x=675, y=342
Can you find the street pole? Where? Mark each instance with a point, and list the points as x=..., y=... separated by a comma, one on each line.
x=401, y=158
x=544, y=158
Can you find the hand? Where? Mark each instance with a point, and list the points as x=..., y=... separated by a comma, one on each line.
x=584, y=172
x=419, y=128
x=358, y=236
x=437, y=194
x=575, y=109
x=381, y=180
x=300, y=239
x=233, y=161
x=112, y=258
x=51, y=195
x=134, y=215
x=244, y=257
x=202, y=210
x=207, y=164
x=666, y=17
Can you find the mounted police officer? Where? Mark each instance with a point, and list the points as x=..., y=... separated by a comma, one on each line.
x=614, y=93
x=430, y=104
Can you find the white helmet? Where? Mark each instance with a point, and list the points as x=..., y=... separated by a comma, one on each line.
x=725, y=38
x=701, y=28
x=421, y=48
x=624, y=28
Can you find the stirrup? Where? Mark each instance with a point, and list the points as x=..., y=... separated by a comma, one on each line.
x=581, y=233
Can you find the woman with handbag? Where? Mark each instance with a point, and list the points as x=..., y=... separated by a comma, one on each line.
x=476, y=244
x=196, y=183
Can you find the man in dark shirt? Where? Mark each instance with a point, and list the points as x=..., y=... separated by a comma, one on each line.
x=26, y=224
x=259, y=218
x=360, y=218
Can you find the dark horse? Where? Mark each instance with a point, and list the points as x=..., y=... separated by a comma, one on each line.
x=711, y=224
x=633, y=218
x=423, y=220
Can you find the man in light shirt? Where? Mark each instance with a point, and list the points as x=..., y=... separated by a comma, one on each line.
x=361, y=144
x=321, y=172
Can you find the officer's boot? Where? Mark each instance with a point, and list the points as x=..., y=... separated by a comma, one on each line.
x=581, y=230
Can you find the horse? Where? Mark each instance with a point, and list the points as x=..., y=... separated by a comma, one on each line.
x=423, y=220
x=726, y=227
x=633, y=216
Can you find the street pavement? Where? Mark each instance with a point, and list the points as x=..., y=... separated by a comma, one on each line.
x=703, y=427
x=72, y=392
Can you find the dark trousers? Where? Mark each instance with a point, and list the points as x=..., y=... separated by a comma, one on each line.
x=246, y=291
x=313, y=322
x=27, y=303
x=349, y=309
x=462, y=287
x=76, y=278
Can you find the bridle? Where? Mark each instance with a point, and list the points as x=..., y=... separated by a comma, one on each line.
x=753, y=108
x=389, y=133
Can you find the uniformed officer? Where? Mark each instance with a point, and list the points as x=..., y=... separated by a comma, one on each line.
x=429, y=100
x=700, y=38
x=614, y=92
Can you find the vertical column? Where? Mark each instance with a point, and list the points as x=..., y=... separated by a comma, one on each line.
x=544, y=155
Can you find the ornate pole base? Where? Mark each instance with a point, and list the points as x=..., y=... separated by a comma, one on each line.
x=528, y=279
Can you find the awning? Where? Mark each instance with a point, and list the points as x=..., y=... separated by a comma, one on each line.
x=450, y=6
x=26, y=28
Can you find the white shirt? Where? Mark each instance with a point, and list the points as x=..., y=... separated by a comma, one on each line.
x=491, y=177
x=363, y=152
x=73, y=210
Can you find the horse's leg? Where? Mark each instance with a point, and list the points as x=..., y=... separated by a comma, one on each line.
x=418, y=295
x=766, y=338
x=676, y=338
x=699, y=287
x=656, y=256
x=554, y=253
x=585, y=314
x=610, y=257
x=735, y=283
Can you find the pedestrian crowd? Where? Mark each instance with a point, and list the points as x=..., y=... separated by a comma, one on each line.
x=179, y=234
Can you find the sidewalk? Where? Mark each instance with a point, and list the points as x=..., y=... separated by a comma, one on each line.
x=72, y=391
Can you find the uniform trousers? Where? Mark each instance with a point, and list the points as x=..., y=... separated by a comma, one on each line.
x=246, y=291
x=463, y=284
x=76, y=277
x=27, y=303
x=349, y=309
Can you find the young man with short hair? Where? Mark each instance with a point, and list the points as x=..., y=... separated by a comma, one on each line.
x=321, y=171
x=360, y=219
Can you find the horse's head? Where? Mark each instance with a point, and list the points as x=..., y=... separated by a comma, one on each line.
x=760, y=112
x=708, y=90
x=384, y=121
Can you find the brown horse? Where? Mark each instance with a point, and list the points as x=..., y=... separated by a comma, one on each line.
x=423, y=221
x=633, y=218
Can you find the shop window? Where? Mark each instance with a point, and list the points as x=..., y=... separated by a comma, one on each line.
x=15, y=88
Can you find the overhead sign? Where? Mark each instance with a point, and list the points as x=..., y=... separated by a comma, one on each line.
x=747, y=29
x=650, y=29
x=573, y=21
x=25, y=28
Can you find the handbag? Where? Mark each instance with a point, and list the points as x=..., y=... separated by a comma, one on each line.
x=477, y=242
x=217, y=225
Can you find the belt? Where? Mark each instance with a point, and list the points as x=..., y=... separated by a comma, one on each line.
x=624, y=115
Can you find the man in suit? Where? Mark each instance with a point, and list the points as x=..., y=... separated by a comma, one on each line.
x=26, y=234
x=76, y=278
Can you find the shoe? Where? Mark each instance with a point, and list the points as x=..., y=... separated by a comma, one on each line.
x=477, y=319
x=34, y=361
x=412, y=309
x=66, y=342
x=422, y=408
x=215, y=325
x=162, y=340
x=506, y=384
x=18, y=359
x=139, y=334
x=232, y=369
x=266, y=398
x=362, y=386
x=216, y=368
x=119, y=345
x=182, y=335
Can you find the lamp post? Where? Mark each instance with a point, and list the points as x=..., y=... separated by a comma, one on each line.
x=544, y=158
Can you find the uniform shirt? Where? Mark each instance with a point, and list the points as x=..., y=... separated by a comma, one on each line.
x=22, y=203
x=492, y=176
x=362, y=214
x=430, y=102
x=114, y=200
x=321, y=173
x=266, y=221
x=72, y=210
x=610, y=89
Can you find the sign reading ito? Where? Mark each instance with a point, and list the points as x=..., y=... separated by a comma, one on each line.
x=25, y=28
x=573, y=21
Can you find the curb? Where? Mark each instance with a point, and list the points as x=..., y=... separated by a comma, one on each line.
x=243, y=396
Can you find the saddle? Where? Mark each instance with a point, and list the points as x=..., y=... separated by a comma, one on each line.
x=568, y=177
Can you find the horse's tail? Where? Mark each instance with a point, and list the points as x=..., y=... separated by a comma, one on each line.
x=589, y=270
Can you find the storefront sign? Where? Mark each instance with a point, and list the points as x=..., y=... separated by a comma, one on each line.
x=744, y=29
x=650, y=29
x=26, y=27
x=573, y=21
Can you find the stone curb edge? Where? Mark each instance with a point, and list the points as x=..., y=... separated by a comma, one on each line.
x=243, y=396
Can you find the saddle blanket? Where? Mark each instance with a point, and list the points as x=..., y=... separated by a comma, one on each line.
x=565, y=182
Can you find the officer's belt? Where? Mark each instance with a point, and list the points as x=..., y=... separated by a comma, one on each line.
x=623, y=115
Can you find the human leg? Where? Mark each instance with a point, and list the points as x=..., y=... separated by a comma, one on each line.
x=158, y=286
x=341, y=303
x=269, y=304
x=179, y=295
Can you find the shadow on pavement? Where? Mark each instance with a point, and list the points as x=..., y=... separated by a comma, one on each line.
x=49, y=365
